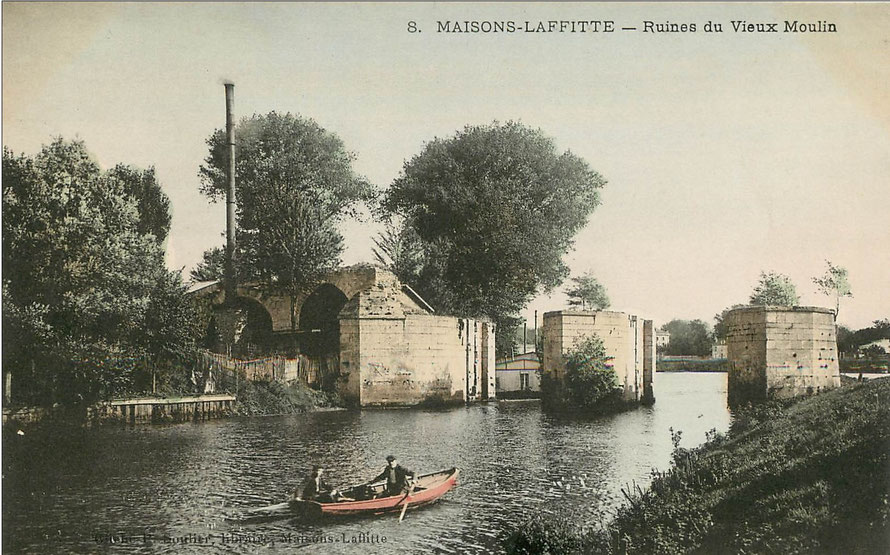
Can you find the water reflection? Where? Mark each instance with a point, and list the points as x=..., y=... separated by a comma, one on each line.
x=65, y=489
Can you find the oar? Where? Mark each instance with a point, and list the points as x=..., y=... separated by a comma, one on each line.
x=405, y=506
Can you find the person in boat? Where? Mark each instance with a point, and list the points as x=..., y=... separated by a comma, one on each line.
x=396, y=477
x=315, y=488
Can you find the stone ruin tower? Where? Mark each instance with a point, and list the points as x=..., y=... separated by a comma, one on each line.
x=780, y=352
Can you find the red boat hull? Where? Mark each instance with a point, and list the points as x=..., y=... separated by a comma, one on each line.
x=428, y=489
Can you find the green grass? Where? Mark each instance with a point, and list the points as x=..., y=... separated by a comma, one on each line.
x=811, y=476
x=705, y=365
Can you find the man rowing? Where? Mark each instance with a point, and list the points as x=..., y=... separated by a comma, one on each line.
x=396, y=477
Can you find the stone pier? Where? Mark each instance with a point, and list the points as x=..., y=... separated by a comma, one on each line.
x=780, y=352
x=629, y=342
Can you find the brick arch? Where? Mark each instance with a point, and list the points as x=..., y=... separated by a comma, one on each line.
x=351, y=281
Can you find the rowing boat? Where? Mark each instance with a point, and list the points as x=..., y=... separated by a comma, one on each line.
x=362, y=500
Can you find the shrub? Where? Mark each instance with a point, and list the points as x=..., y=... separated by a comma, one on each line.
x=589, y=383
x=545, y=535
x=589, y=379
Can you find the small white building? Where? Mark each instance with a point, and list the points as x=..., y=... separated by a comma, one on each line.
x=882, y=343
x=518, y=376
x=719, y=349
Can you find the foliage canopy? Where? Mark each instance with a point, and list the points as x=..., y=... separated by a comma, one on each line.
x=86, y=295
x=834, y=283
x=688, y=337
x=774, y=289
x=590, y=382
x=588, y=293
x=493, y=208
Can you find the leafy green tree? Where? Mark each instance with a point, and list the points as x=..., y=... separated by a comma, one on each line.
x=873, y=351
x=398, y=249
x=588, y=293
x=495, y=208
x=688, y=337
x=774, y=289
x=171, y=327
x=153, y=205
x=589, y=377
x=720, y=330
x=294, y=183
x=80, y=273
x=212, y=265
x=834, y=283
x=850, y=341
x=845, y=340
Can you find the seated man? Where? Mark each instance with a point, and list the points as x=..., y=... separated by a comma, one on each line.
x=315, y=488
x=396, y=477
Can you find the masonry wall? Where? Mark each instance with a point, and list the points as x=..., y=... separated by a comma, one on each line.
x=780, y=352
x=393, y=353
x=487, y=361
x=622, y=336
x=415, y=359
x=649, y=358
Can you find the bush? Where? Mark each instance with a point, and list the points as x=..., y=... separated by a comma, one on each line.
x=590, y=383
x=264, y=397
x=547, y=535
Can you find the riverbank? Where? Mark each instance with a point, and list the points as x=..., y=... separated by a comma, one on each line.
x=254, y=398
x=267, y=398
x=811, y=475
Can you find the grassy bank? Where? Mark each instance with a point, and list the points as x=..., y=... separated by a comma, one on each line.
x=811, y=476
x=693, y=365
x=263, y=398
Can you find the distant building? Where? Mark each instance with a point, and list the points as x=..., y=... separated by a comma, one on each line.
x=518, y=376
x=662, y=338
x=719, y=349
x=882, y=343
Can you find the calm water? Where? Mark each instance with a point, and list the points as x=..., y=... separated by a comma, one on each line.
x=66, y=491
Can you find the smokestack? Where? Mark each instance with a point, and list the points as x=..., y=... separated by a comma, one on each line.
x=230, y=284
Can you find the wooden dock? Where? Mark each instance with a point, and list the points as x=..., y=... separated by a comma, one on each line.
x=157, y=409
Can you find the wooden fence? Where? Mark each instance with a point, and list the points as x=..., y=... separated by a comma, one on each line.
x=221, y=372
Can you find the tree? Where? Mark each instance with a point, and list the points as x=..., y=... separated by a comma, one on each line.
x=170, y=327
x=845, y=338
x=211, y=267
x=80, y=274
x=398, y=249
x=495, y=208
x=850, y=342
x=834, y=283
x=589, y=378
x=720, y=330
x=691, y=338
x=588, y=293
x=294, y=184
x=774, y=289
x=153, y=205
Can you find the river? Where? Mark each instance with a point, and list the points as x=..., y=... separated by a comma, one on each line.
x=187, y=488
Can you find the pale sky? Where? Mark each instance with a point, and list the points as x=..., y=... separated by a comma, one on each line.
x=726, y=153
